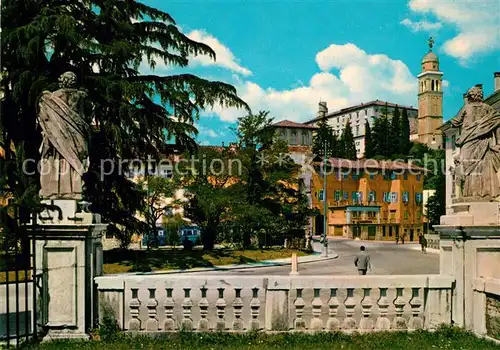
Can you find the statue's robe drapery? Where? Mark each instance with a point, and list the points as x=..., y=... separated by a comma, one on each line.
x=64, y=149
x=479, y=151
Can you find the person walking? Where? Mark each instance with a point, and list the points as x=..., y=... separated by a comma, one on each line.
x=403, y=238
x=362, y=261
x=423, y=243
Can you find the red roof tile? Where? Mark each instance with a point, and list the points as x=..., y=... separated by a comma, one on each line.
x=372, y=164
x=290, y=124
x=360, y=106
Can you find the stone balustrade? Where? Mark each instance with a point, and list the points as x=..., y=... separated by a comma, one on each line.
x=156, y=302
x=486, y=299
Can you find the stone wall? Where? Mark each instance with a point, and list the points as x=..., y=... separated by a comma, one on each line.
x=159, y=303
x=493, y=315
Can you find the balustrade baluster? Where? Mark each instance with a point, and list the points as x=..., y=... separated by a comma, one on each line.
x=221, y=304
x=152, y=322
x=237, y=308
x=187, y=305
x=383, y=322
x=399, y=321
x=333, y=322
x=169, y=324
x=134, y=324
x=366, y=323
x=349, y=304
x=203, y=305
x=300, y=323
x=255, y=310
x=416, y=321
x=316, y=322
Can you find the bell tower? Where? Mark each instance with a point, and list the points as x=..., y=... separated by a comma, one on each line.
x=430, y=100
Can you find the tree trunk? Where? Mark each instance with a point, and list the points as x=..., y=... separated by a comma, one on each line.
x=208, y=238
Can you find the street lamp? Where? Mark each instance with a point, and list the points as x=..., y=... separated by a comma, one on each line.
x=324, y=251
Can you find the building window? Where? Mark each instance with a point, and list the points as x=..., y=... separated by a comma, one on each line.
x=346, y=196
x=405, y=176
x=453, y=142
x=418, y=197
x=337, y=195
x=386, y=176
x=406, y=197
x=346, y=176
x=293, y=138
x=321, y=195
x=372, y=197
x=354, y=176
x=394, y=197
x=390, y=231
x=393, y=176
x=304, y=138
x=357, y=130
x=383, y=231
x=372, y=176
x=355, y=214
x=387, y=197
x=418, y=177
x=406, y=215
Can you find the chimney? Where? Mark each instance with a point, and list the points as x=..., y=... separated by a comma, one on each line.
x=465, y=98
x=497, y=81
x=322, y=110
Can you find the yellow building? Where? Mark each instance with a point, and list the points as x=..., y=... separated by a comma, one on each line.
x=369, y=199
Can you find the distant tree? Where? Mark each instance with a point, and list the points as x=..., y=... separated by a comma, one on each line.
x=159, y=192
x=395, y=132
x=369, y=145
x=323, y=135
x=380, y=137
x=348, y=143
x=404, y=141
x=255, y=130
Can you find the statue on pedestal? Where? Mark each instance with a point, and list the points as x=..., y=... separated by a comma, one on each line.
x=64, y=149
x=479, y=141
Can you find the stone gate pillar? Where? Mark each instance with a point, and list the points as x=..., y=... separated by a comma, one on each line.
x=68, y=257
x=470, y=248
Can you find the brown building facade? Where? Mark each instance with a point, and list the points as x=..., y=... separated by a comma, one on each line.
x=368, y=199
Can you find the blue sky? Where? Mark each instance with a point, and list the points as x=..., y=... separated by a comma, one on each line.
x=284, y=56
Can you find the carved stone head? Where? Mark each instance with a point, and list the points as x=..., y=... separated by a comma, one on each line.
x=475, y=94
x=67, y=80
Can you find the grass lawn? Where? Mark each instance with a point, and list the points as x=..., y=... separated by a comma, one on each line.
x=119, y=261
x=445, y=338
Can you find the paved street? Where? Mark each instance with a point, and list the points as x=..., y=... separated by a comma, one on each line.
x=387, y=259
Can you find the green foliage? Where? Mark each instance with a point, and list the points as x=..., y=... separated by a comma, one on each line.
x=348, y=145
x=404, y=141
x=108, y=328
x=264, y=197
x=395, y=132
x=445, y=337
x=369, y=146
x=324, y=137
x=104, y=43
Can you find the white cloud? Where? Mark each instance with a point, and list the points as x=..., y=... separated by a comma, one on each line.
x=420, y=25
x=207, y=132
x=476, y=21
x=224, y=57
x=361, y=77
x=446, y=83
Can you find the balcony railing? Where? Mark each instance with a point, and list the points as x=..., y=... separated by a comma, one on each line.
x=162, y=303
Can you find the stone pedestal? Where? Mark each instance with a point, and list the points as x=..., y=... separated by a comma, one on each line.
x=68, y=257
x=470, y=248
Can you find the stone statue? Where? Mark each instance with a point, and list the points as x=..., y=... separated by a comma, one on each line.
x=64, y=149
x=479, y=142
x=431, y=43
